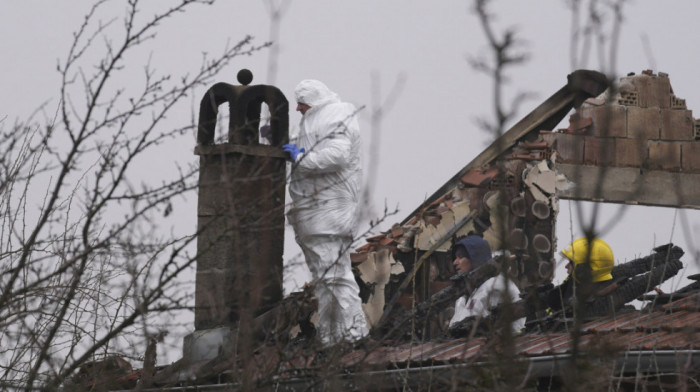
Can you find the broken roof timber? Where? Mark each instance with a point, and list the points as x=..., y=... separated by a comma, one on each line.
x=581, y=85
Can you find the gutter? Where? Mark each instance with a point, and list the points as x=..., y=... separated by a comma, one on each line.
x=546, y=366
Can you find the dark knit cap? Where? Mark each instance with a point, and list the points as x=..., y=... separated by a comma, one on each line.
x=475, y=248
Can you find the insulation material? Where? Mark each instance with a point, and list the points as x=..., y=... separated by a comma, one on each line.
x=406, y=240
x=544, y=182
x=499, y=213
x=540, y=180
x=375, y=272
x=624, y=93
x=431, y=234
x=561, y=183
x=396, y=268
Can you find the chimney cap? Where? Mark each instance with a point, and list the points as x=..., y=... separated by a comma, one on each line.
x=244, y=76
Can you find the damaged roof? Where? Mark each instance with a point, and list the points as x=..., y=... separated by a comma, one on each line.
x=658, y=339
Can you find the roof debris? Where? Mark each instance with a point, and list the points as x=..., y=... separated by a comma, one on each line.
x=508, y=194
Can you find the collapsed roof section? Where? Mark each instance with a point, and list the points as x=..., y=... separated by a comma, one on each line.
x=633, y=142
x=507, y=194
x=580, y=85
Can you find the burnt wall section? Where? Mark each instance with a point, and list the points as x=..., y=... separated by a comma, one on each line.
x=636, y=144
x=507, y=194
x=511, y=203
x=521, y=206
x=241, y=207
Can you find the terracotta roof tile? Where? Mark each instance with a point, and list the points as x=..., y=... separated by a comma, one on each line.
x=628, y=322
x=689, y=303
x=397, y=231
x=386, y=241
x=479, y=176
x=461, y=350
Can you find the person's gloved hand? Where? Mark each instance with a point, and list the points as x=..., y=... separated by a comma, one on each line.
x=293, y=151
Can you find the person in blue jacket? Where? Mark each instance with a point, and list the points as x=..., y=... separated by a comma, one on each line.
x=471, y=252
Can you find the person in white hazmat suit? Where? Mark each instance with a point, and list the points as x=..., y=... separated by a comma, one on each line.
x=325, y=190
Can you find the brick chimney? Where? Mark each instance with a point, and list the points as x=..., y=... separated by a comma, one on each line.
x=241, y=205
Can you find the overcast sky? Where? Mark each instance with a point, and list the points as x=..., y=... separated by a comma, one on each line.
x=430, y=132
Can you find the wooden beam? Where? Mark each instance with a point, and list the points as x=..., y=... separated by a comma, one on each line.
x=580, y=85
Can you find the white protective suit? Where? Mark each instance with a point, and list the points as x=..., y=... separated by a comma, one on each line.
x=325, y=190
x=485, y=297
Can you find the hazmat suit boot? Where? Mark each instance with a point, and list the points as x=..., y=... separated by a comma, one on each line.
x=339, y=307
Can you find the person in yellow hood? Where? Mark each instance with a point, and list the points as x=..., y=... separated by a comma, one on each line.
x=590, y=262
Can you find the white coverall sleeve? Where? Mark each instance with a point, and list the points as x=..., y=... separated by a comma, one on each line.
x=485, y=297
x=474, y=305
x=329, y=155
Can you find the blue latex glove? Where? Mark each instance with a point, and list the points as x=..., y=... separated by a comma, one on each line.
x=293, y=151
